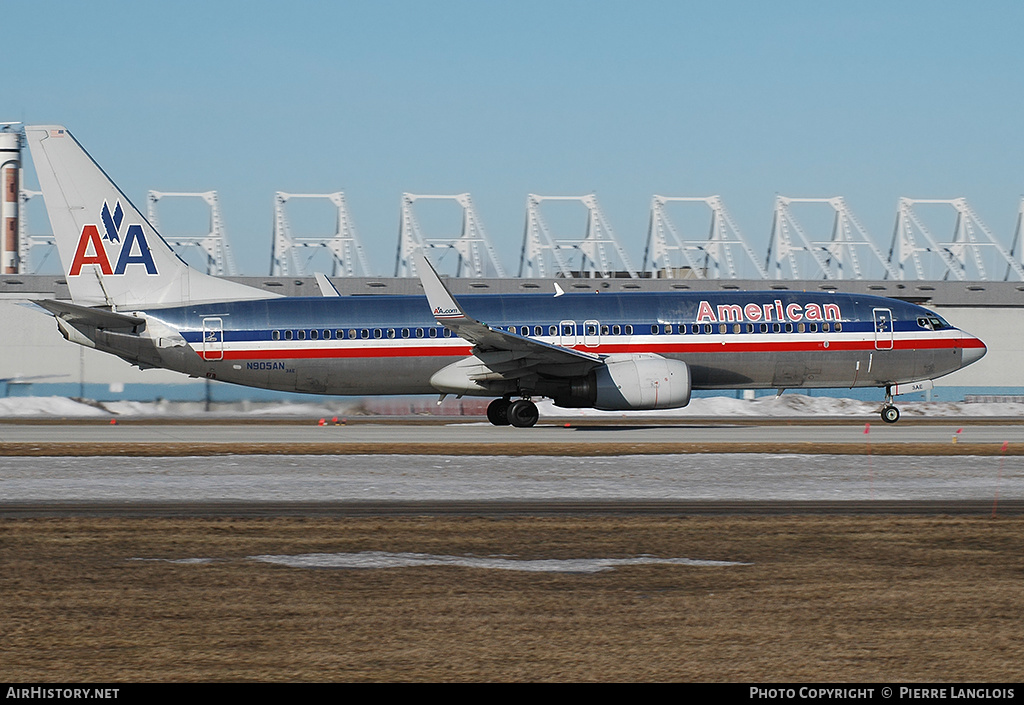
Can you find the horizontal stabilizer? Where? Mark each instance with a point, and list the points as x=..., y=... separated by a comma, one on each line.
x=98, y=317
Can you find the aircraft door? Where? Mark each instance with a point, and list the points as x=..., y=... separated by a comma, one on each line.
x=213, y=339
x=883, y=328
x=591, y=333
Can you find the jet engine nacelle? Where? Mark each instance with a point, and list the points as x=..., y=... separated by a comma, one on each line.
x=632, y=382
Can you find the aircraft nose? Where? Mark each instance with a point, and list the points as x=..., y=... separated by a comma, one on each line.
x=973, y=350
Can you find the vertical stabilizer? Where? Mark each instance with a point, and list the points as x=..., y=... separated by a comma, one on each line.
x=111, y=255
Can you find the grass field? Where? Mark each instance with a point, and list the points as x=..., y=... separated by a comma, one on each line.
x=820, y=599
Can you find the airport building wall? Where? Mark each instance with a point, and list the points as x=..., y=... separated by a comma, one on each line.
x=37, y=361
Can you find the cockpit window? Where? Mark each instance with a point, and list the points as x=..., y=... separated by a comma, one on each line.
x=932, y=322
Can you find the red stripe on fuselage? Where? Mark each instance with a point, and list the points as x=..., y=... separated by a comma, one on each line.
x=786, y=346
x=322, y=353
x=703, y=346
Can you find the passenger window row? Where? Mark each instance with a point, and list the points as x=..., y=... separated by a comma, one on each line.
x=723, y=328
x=360, y=333
x=589, y=329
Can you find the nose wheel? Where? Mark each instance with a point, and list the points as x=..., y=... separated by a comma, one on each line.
x=890, y=414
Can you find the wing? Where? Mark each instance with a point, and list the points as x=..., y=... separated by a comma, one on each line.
x=496, y=348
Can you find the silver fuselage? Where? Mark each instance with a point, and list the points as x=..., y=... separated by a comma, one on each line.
x=392, y=344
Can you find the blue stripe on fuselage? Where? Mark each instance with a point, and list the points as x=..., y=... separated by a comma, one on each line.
x=253, y=320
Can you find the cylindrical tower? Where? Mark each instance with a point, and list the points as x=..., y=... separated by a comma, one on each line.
x=10, y=170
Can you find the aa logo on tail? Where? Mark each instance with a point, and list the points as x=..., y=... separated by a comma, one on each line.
x=92, y=246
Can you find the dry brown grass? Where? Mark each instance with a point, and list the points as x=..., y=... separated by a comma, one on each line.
x=824, y=599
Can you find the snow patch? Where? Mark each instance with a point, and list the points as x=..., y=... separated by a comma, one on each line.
x=794, y=405
x=47, y=406
x=384, y=559
x=788, y=405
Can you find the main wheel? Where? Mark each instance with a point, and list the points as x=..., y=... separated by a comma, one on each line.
x=890, y=414
x=497, y=412
x=523, y=413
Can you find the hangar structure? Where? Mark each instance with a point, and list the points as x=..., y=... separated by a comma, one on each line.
x=969, y=251
x=933, y=239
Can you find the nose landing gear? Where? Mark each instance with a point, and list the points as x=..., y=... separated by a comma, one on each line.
x=890, y=414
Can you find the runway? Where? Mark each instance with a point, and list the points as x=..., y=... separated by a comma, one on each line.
x=576, y=438
x=452, y=469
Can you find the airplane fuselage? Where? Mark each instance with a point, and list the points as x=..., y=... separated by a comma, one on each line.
x=358, y=345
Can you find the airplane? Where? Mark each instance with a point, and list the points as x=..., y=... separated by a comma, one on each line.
x=133, y=297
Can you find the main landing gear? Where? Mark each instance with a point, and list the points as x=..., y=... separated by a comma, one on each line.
x=521, y=413
x=890, y=414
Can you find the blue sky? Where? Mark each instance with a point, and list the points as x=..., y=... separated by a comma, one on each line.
x=868, y=100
